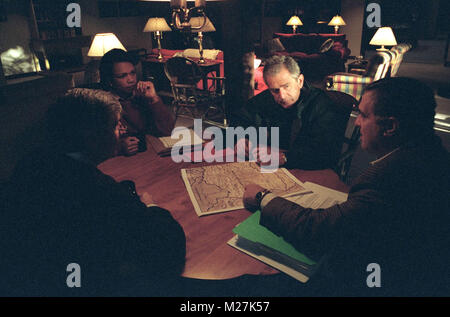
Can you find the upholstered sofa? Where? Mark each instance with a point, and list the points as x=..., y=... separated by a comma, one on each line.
x=382, y=64
x=318, y=54
x=354, y=84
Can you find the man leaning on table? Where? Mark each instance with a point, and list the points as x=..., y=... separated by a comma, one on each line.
x=310, y=125
x=63, y=212
x=398, y=212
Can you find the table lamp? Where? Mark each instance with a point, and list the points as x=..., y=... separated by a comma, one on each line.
x=337, y=21
x=257, y=62
x=157, y=25
x=207, y=27
x=294, y=21
x=383, y=36
x=101, y=44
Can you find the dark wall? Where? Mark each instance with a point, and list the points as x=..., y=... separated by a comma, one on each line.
x=411, y=20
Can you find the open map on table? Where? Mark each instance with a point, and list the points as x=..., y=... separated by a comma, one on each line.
x=220, y=188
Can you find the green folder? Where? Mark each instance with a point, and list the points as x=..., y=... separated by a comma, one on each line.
x=250, y=229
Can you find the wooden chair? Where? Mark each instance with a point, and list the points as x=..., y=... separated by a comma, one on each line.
x=184, y=75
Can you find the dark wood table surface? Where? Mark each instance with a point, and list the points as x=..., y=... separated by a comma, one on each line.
x=208, y=254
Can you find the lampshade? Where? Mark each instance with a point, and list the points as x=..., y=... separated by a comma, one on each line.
x=198, y=21
x=383, y=36
x=294, y=20
x=156, y=24
x=337, y=20
x=103, y=43
x=256, y=63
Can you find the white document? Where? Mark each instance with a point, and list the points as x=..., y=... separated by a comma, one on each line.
x=320, y=197
x=194, y=139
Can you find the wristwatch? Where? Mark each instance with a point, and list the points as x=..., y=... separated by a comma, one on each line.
x=260, y=195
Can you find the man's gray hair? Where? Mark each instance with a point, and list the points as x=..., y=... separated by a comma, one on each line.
x=275, y=63
x=81, y=112
x=110, y=101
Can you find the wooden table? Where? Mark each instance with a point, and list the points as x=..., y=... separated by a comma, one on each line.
x=208, y=255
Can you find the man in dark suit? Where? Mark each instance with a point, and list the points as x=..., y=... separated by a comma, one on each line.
x=398, y=210
x=311, y=127
x=61, y=210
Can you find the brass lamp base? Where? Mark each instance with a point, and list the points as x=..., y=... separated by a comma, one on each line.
x=200, y=47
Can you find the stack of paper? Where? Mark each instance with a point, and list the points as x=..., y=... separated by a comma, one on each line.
x=163, y=146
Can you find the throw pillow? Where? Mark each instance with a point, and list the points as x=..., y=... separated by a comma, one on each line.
x=326, y=46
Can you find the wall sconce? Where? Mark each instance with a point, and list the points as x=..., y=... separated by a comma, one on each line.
x=157, y=25
x=181, y=14
x=337, y=21
x=294, y=21
x=207, y=27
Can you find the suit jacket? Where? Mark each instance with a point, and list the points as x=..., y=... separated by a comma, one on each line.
x=397, y=215
x=312, y=130
x=61, y=211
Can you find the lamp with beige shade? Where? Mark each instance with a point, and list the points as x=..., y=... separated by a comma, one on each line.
x=157, y=25
x=294, y=21
x=337, y=21
x=383, y=36
x=103, y=43
x=207, y=27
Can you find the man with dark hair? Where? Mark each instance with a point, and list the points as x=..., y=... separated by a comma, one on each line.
x=311, y=127
x=143, y=110
x=61, y=209
x=398, y=210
